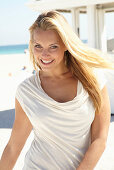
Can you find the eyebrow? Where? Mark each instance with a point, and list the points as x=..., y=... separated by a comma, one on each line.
x=49, y=45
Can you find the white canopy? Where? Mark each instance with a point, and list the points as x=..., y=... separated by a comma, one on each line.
x=42, y=5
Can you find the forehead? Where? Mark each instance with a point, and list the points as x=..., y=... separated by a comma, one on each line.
x=40, y=35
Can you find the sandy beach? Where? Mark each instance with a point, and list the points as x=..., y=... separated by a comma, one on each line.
x=11, y=74
x=11, y=64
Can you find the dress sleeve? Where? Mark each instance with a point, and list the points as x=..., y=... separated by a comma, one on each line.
x=101, y=77
x=19, y=96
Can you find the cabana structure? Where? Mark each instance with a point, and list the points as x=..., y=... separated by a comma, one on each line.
x=95, y=10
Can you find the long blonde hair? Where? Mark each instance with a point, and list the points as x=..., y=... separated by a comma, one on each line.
x=80, y=59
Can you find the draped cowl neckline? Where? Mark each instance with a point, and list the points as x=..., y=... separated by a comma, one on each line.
x=81, y=94
x=61, y=130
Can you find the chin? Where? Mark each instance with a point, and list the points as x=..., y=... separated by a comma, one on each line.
x=46, y=69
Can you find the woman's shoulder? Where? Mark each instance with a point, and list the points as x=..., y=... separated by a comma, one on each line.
x=28, y=79
x=100, y=76
x=26, y=88
x=28, y=82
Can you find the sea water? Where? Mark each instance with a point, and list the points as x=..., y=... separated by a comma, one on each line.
x=13, y=49
x=17, y=49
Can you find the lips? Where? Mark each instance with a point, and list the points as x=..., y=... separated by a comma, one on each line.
x=46, y=62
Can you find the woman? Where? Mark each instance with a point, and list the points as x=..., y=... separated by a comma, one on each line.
x=65, y=103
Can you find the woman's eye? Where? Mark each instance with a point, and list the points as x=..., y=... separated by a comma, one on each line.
x=38, y=46
x=53, y=47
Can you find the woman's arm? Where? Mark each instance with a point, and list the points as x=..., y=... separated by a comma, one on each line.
x=99, y=133
x=20, y=132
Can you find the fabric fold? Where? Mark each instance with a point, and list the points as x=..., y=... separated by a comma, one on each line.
x=62, y=131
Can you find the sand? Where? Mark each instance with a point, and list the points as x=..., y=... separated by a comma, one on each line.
x=12, y=63
x=11, y=74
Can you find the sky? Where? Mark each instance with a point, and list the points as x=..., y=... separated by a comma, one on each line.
x=16, y=18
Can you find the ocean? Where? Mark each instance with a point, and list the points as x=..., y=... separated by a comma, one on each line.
x=17, y=49
x=13, y=49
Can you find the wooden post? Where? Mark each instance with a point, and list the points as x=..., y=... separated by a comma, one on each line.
x=91, y=13
x=102, y=40
x=75, y=20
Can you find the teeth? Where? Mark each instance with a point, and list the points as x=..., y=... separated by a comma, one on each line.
x=47, y=61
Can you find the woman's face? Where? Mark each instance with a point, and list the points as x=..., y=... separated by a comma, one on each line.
x=48, y=49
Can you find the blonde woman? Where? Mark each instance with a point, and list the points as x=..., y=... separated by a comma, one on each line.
x=65, y=102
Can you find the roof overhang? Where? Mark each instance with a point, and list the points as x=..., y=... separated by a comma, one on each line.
x=44, y=5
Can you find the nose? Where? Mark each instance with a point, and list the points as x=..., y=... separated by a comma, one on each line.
x=45, y=52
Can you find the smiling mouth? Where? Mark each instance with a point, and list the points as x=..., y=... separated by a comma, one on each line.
x=46, y=62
